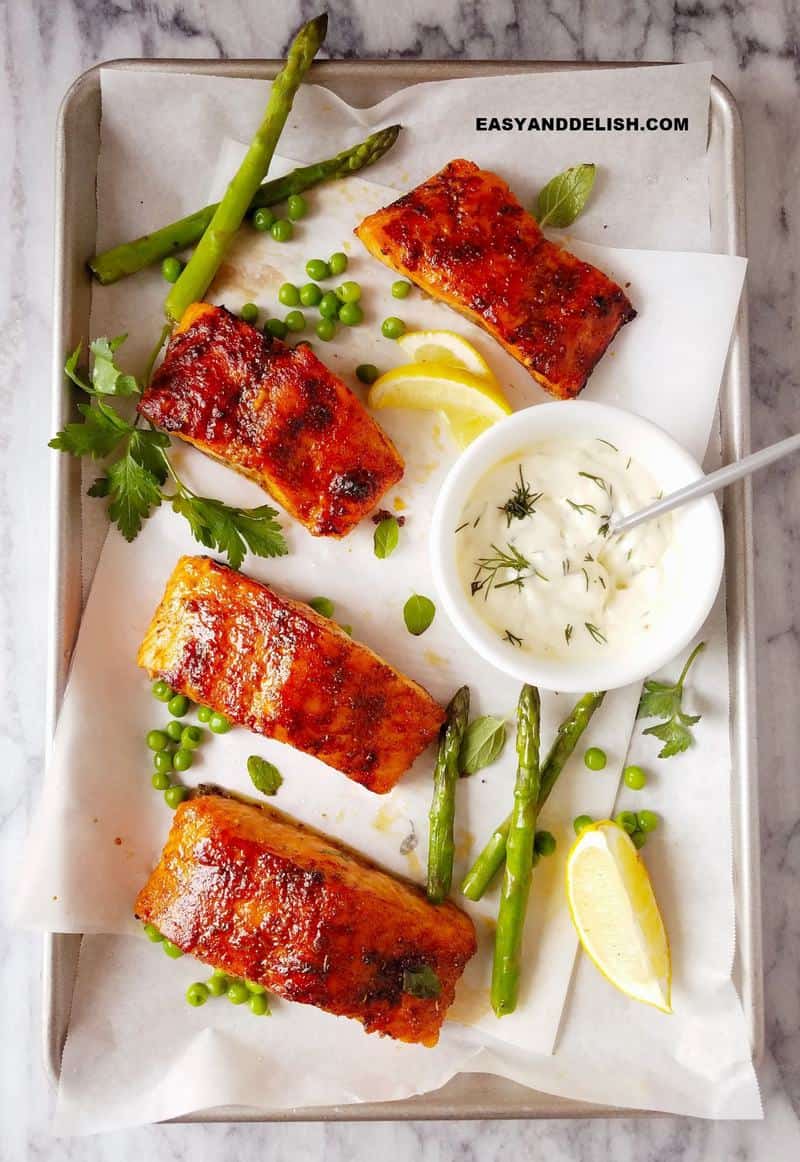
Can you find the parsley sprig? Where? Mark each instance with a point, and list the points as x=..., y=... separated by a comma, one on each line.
x=662, y=700
x=133, y=482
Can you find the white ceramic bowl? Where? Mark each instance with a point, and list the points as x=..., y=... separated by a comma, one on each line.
x=697, y=529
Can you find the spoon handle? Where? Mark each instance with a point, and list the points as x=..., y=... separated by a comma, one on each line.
x=715, y=480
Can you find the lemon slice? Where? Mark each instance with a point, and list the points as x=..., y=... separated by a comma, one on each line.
x=439, y=387
x=616, y=916
x=444, y=347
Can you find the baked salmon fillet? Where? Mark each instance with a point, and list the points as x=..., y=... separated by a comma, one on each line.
x=464, y=238
x=274, y=413
x=248, y=891
x=279, y=668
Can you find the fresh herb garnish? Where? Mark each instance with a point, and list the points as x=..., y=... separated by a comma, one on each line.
x=598, y=480
x=522, y=502
x=608, y=443
x=662, y=700
x=605, y=526
x=568, y=633
x=461, y=526
x=565, y=195
x=512, y=638
x=322, y=605
x=581, y=507
x=421, y=982
x=387, y=535
x=265, y=776
x=418, y=613
x=511, y=559
x=565, y=567
x=482, y=743
x=595, y=633
x=586, y=578
x=133, y=482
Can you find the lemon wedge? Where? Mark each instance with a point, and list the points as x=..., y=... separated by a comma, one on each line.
x=616, y=916
x=444, y=347
x=470, y=403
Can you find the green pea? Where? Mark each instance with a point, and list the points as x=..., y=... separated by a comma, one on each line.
x=627, y=821
x=326, y=329
x=295, y=320
x=152, y=933
x=351, y=314
x=162, y=691
x=296, y=206
x=217, y=984
x=635, y=778
x=162, y=761
x=544, y=843
x=647, y=820
x=219, y=724
x=238, y=992
x=323, y=606
x=393, y=328
x=174, y=796
x=248, y=313
x=349, y=292
x=338, y=262
x=317, y=269
x=171, y=269
x=367, y=372
x=263, y=219
x=157, y=739
x=329, y=305
x=581, y=822
x=282, y=230
x=183, y=759
x=255, y=987
x=595, y=758
x=276, y=327
x=310, y=294
x=160, y=780
x=197, y=994
x=191, y=737
x=288, y=294
x=174, y=729
x=639, y=839
x=178, y=706
x=401, y=289
x=204, y=713
x=259, y=1005
x=172, y=950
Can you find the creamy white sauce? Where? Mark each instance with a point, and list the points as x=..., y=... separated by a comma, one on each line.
x=543, y=571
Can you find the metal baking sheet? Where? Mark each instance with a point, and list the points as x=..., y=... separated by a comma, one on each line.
x=364, y=83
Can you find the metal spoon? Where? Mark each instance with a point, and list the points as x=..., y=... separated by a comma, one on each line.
x=719, y=479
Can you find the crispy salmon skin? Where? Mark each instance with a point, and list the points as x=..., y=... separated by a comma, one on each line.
x=464, y=238
x=279, y=668
x=250, y=892
x=275, y=414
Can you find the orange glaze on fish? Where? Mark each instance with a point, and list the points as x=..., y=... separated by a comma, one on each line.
x=275, y=414
x=279, y=668
x=248, y=891
x=464, y=238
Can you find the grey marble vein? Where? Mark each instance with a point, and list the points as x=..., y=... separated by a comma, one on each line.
x=755, y=48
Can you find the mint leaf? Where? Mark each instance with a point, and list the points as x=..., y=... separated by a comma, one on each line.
x=564, y=197
x=133, y=493
x=265, y=776
x=418, y=613
x=387, y=534
x=107, y=379
x=323, y=606
x=100, y=433
x=483, y=742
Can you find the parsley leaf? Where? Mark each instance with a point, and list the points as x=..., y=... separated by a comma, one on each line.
x=107, y=379
x=231, y=530
x=147, y=449
x=133, y=493
x=71, y=369
x=662, y=700
x=563, y=198
x=100, y=433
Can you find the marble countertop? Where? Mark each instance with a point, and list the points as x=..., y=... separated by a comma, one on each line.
x=755, y=51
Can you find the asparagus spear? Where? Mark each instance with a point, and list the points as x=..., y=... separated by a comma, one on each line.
x=519, y=857
x=441, y=846
x=211, y=249
x=490, y=860
x=131, y=257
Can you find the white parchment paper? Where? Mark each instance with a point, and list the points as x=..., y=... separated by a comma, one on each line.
x=101, y=825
